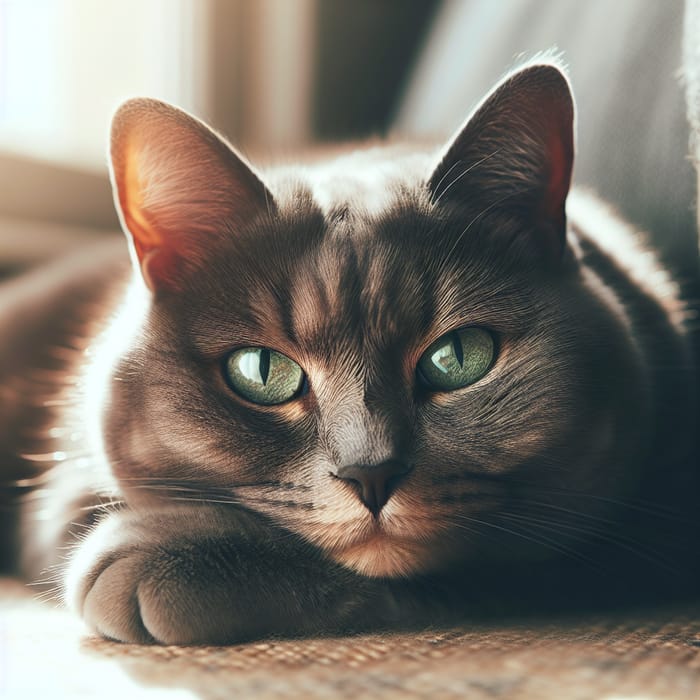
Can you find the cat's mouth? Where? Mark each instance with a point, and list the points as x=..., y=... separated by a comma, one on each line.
x=382, y=548
x=403, y=539
x=381, y=554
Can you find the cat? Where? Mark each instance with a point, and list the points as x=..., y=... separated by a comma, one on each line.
x=347, y=394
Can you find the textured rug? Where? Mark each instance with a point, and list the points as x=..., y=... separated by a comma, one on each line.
x=652, y=654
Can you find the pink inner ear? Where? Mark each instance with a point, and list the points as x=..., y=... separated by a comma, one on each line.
x=560, y=153
x=560, y=158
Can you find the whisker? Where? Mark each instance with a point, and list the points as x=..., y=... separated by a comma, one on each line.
x=204, y=500
x=103, y=506
x=620, y=540
x=151, y=482
x=462, y=174
x=641, y=505
x=646, y=507
x=539, y=540
x=445, y=175
x=484, y=211
x=447, y=259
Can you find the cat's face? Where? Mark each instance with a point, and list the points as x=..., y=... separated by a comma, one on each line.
x=355, y=297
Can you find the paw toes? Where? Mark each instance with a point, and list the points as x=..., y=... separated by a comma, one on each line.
x=111, y=607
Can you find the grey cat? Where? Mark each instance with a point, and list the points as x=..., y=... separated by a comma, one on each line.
x=347, y=394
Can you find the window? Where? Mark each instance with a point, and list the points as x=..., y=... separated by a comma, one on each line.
x=66, y=64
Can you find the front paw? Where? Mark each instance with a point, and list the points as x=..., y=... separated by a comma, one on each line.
x=109, y=597
x=131, y=580
x=112, y=579
x=197, y=578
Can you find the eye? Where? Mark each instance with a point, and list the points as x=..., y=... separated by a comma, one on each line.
x=263, y=376
x=457, y=359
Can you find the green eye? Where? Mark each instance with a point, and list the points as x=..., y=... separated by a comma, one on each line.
x=263, y=376
x=457, y=359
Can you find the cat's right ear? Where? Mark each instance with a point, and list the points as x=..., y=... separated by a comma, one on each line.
x=178, y=187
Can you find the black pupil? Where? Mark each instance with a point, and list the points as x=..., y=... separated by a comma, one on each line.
x=457, y=345
x=264, y=365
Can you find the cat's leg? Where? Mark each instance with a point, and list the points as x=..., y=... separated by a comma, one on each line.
x=205, y=576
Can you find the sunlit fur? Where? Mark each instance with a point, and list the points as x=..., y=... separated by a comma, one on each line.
x=353, y=267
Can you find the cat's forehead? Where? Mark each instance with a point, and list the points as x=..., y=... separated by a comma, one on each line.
x=356, y=282
x=361, y=280
x=366, y=182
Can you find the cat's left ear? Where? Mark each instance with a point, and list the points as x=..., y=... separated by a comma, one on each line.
x=516, y=153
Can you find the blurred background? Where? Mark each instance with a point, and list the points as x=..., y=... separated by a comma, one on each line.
x=276, y=76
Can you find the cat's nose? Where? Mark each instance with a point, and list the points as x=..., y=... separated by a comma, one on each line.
x=376, y=481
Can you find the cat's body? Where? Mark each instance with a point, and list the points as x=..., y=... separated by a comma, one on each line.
x=363, y=494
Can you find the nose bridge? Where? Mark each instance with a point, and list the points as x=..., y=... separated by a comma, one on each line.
x=364, y=415
x=360, y=436
x=368, y=441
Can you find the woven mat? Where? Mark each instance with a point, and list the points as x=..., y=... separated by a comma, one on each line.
x=645, y=655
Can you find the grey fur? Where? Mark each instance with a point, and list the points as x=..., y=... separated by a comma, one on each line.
x=210, y=519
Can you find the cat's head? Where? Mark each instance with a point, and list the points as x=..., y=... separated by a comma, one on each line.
x=391, y=354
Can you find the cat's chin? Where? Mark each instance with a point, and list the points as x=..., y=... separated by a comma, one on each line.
x=384, y=556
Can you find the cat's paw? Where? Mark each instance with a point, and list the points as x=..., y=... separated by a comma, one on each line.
x=133, y=580
x=199, y=578
x=104, y=589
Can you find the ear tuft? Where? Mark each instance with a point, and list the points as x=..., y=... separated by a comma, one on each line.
x=178, y=188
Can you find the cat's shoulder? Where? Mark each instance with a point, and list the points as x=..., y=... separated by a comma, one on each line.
x=604, y=240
